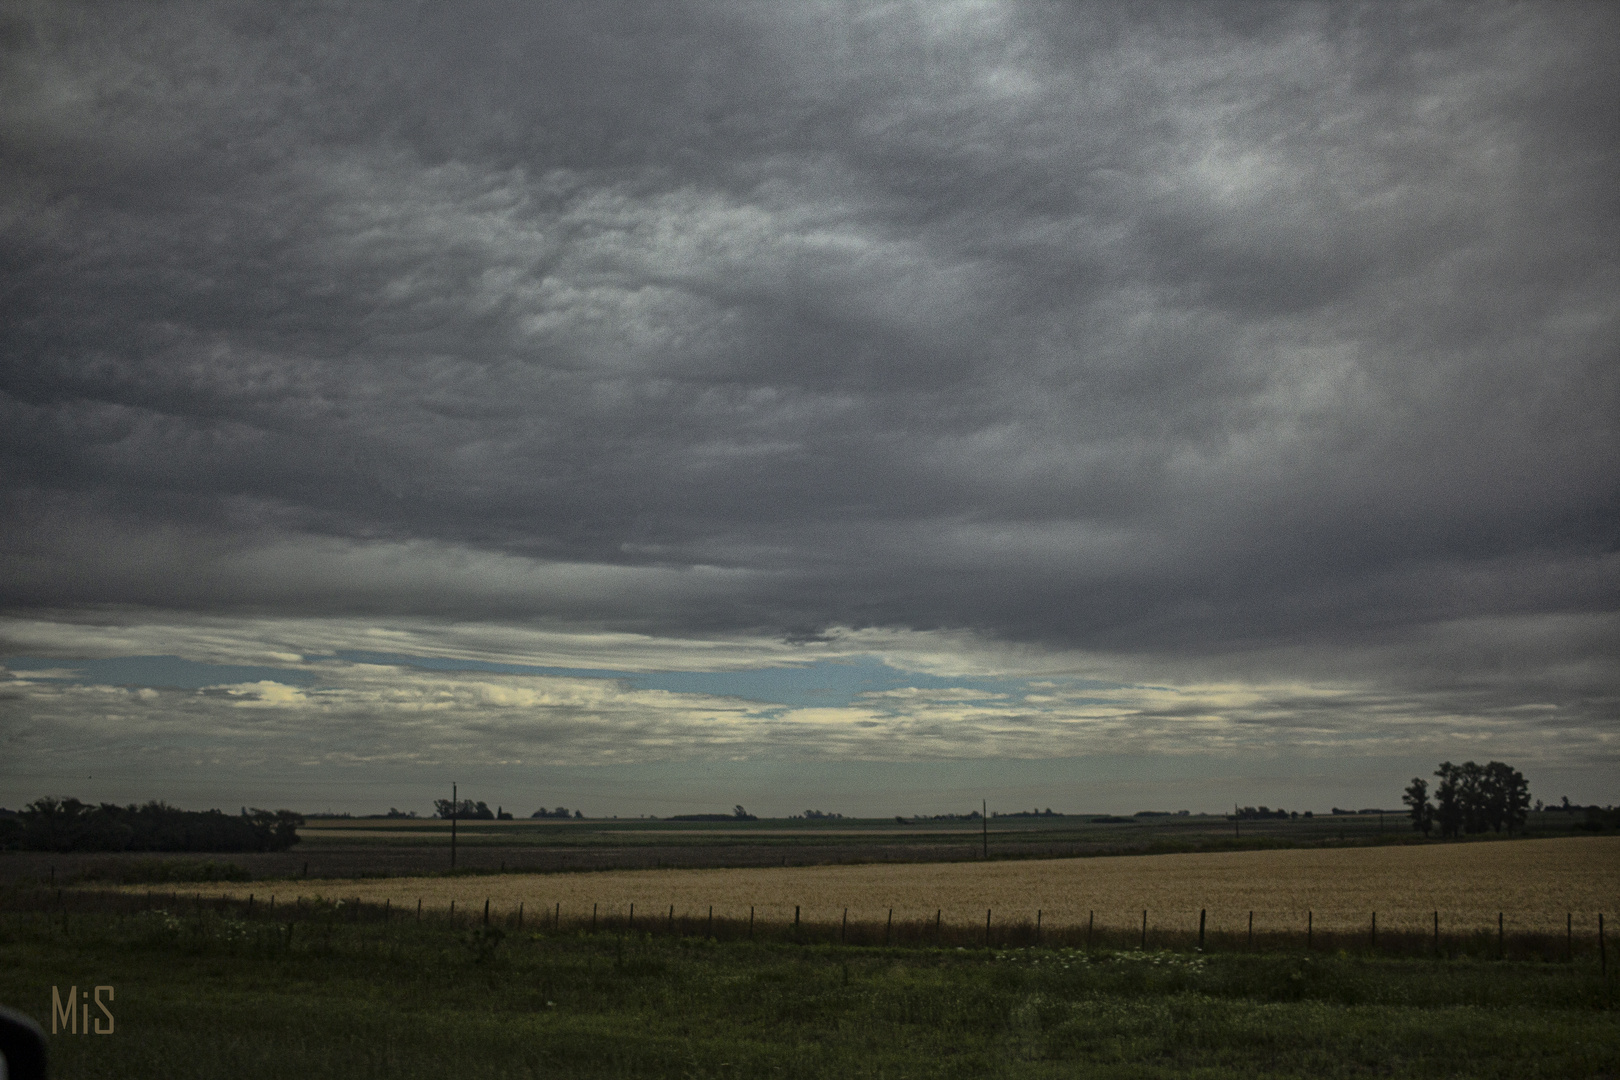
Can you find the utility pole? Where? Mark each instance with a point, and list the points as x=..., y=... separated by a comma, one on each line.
x=984, y=819
x=455, y=812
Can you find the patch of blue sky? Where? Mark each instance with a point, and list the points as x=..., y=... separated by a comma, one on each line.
x=158, y=672
x=820, y=683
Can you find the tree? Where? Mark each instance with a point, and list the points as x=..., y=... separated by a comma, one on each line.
x=67, y=824
x=1477, y=798
x=1509, y=796
x=463, y=810
x=1448, y=804
x=1417, y=797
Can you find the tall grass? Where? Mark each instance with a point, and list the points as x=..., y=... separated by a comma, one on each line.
x=331, y=989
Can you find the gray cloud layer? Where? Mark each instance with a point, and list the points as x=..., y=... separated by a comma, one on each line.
x=1268, y=340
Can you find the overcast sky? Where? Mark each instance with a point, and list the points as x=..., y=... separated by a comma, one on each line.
x=872, y=407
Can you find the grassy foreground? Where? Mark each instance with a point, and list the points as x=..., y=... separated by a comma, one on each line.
x=199, y=994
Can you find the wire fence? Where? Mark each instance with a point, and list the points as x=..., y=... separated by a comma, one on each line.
x=1566, y=936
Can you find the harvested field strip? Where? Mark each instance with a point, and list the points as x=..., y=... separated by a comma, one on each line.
x=1535, y=883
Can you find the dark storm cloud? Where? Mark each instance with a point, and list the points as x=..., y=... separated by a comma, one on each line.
x=1174, y=332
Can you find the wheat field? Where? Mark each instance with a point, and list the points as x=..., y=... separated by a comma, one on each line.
x=1534, y=883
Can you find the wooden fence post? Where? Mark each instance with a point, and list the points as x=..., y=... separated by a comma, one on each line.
x=418, y=909
x=1251, y=931
x=1375, y=930
x=1603, y=948
x=1569, y=935
x=593, y=918
x=520, y=915
x=750, y=922
x=1091, y=924
x=1037, y=926
x=888, y=927
x=486, y=911
x=1437, y=933
x=987, y=928
x=937, y=913
x=1310, y=918
x=672, y=918
x=1201, y=912
x=631, y=925
x=1501, y=936
x=795, y=920
x=843, y=929
x=1144, y=928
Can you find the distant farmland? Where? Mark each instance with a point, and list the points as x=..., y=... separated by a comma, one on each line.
x=1535, y=883
x=364, y=847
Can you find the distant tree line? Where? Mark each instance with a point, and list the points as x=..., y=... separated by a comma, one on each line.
x=560, y=812
x=1261, y=813
x=737, y=814
x=1470, y=799
x=819, y=815
x=1599, y=818
x=468, y=810
x=66, y=824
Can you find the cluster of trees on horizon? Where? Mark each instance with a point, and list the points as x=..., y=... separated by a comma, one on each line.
x=1470, y=798
x=468, y=810
x=1259, y=813
x=737, y=814
x=66, y=824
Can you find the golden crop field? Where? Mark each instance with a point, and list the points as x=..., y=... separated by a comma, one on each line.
x=1533, y=882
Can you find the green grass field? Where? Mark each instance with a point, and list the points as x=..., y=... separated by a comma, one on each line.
x=204, y=994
